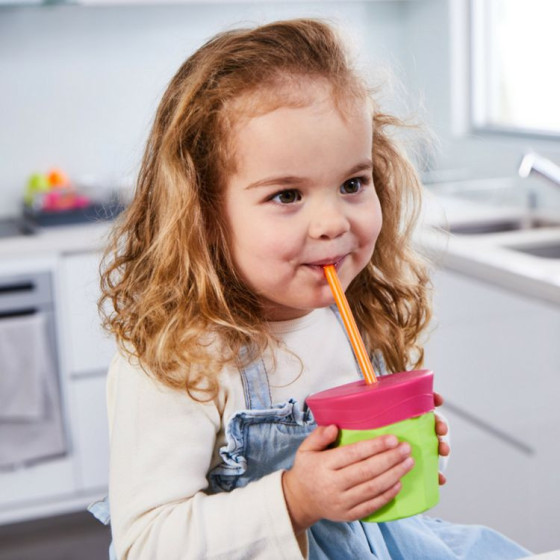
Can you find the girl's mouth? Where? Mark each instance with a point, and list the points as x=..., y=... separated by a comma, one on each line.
x=319, y=265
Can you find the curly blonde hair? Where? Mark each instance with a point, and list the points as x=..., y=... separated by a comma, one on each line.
x=170, y=291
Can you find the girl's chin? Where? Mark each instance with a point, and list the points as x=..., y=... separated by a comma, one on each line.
x=276, y=312
x=322, y=298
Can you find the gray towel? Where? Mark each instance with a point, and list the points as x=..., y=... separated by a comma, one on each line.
x=22, y=367
x=31, y=419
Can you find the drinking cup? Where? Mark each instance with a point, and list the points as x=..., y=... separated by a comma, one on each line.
x=401, y=404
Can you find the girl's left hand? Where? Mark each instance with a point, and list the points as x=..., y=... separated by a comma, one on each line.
x=441, y=430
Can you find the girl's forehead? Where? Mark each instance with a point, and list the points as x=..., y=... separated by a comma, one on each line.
x=294, y=92
x=289, y=93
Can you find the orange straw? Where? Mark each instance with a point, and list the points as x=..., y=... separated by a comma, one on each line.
x=350, y=324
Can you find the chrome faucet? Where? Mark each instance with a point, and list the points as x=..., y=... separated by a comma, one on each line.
x=534, y=163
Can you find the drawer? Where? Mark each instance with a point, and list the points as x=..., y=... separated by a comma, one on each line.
x=90, y=431
x=44, y=481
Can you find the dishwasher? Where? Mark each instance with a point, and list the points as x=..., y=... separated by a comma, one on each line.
x=32, y=423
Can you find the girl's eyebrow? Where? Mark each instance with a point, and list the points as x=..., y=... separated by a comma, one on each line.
x=287, y=181
x=291, y=180
x=361, y=167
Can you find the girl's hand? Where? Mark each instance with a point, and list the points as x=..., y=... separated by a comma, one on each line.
x=441, y=430
x=343, y=483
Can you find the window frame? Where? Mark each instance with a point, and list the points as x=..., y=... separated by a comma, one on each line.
x=479, y=31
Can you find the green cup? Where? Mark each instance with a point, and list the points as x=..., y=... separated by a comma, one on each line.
x=400, y=404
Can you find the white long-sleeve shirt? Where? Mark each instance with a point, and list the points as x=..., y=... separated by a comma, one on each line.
x=163, y=444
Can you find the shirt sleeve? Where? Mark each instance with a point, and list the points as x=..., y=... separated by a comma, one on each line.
x=162, y=444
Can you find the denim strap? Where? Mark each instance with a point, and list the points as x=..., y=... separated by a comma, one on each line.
x=255, y=378
x=255, y=386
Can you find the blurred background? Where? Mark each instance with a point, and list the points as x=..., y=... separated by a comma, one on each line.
x=80, y=85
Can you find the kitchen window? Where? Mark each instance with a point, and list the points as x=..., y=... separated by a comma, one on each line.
x=515, y=48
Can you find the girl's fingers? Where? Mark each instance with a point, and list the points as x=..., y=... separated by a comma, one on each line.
x=438, y=399
x=441, y=427
x=367, y=508
x=443, y=449
x=374, y=466
x=319, y=439
x=441, y=431
x=342, y=457
x=368, y=492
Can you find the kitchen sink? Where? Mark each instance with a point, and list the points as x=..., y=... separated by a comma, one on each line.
x=502, y=225
x=545, y=250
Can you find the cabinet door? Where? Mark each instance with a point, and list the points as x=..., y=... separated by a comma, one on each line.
x=90, y=431
x=489, y=483
x=88, y=349
x=495, y=353
x=23, y=490
x=496, y=360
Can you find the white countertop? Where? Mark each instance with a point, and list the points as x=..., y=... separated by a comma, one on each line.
x=56, y=240
x=487, y=256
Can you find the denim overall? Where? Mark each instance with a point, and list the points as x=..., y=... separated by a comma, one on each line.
x=264, y=438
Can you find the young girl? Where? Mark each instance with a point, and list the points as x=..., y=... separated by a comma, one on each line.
x=268, y=159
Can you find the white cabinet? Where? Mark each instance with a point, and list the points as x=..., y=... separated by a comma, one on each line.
x=87, y=347
x=37, y=484
x=88, y=350
x=496, y=360
x=70, y=482
x=31, y=490
x=90, y=429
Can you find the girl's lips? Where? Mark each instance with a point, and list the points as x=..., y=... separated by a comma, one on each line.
x=336, y=261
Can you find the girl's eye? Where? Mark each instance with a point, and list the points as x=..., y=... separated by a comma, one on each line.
x=353, y=186
x=287, y=197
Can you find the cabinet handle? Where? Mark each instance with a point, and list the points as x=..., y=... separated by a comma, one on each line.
x=16, y=313
x=16, y=288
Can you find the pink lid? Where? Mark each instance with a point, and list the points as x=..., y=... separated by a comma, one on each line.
x=360, y=406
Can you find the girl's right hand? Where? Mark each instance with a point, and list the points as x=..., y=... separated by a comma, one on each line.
x=343, y=483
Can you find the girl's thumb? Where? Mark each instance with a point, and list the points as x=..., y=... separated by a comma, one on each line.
x=320, y=438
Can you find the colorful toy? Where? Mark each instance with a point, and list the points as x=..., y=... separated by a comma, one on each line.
x=53, y=192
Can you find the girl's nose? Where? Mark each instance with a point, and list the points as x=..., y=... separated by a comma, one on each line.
x=328, y=221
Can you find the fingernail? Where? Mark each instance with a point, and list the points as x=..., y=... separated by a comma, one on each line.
x=404, y=449
x=331, y=430
x=391, y=441
x=408, y=463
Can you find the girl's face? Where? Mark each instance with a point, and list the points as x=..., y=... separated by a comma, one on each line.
x=302, y=196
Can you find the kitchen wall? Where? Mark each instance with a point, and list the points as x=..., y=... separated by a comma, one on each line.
x=81, y=84
x=437, y=68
